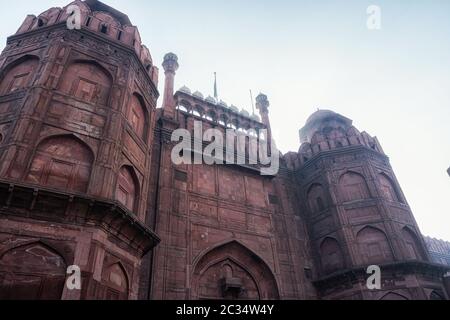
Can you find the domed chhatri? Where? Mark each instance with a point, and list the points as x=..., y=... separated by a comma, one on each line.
x=320, y=115
x=321, y=119
x=199, y=95
x=186, y=90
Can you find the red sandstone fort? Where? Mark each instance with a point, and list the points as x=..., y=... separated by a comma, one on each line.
x=86, y=179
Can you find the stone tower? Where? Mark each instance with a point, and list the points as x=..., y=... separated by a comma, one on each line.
x=77, y=110
x=357, y=216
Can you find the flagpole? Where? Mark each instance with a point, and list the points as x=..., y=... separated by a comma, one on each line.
x=253, y=103
x=216, y=94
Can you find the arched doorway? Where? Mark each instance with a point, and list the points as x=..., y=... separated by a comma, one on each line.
x=233, y=272
x=32, y=272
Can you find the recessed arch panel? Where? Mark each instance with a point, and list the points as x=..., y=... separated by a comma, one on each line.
x=18, y=75
x=62, y=162
x=413, y=246
x=232, y=271
x=388, y=189
x=352, y=187
x=137, y=116
x=127, y=188
x=331, y=256
x=87, y=81
x=32, y=272
x=374, y=247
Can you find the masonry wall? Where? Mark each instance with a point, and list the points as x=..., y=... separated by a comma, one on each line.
x=227, y=223
x=77, y=115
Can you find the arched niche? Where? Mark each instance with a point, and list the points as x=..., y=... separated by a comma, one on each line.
x=316, y=199
x=137, y=116
x=87, y=81
x=18, y=75
x=413, y=246
x=127, y=189
x=117, y=283
x=331, y=256
x=62, y=162
x=353, y=187
x=232, y=271
x=32, y=272
x=374, y=246
x=388, y=189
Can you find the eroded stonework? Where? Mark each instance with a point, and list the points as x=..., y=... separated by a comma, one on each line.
x=86, y=179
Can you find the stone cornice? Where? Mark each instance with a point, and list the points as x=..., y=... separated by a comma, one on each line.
x=354, y=275
x=23, y=200
x=342, y=151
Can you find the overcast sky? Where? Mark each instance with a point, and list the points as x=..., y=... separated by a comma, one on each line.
x=394, y=83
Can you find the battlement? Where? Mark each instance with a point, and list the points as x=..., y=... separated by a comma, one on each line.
x=219, y=113
x=100, y=18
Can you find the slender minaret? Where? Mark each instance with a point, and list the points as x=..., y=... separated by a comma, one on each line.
x=263, y=104
x=170, y=66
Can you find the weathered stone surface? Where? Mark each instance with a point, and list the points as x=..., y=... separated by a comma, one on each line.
x=86, y=175
x=77, y=110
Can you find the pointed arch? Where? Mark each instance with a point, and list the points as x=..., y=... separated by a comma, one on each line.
x=232, y=271
x=128, y=188
x=317, y=199
x=413, y=247
x=138, y=116
x=63, y=162
x=87, y=80
x=18, y=74
x=32, y=271
x=352, y=187
x=117, y=281
x=388, y=189
x=393, y=296
x=331, y=255
x=373, y=246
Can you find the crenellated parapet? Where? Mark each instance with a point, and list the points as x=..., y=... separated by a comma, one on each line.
x=101, y=19
x=328, y=131
x=194, y=105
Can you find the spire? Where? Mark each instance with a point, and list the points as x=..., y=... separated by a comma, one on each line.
x=170, y=66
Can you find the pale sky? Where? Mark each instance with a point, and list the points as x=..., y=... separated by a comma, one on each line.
x=394, y=83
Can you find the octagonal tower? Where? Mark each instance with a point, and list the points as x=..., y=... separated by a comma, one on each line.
x=358, y=216
x=77, y=111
